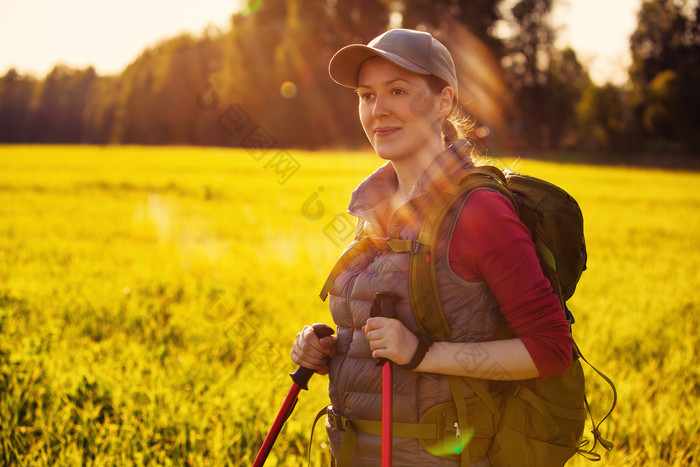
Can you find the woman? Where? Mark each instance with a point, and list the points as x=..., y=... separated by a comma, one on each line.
x=487, y=272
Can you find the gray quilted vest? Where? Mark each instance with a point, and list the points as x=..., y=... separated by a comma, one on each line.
x=471, y=312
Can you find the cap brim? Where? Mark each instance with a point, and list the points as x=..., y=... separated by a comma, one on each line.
x=344, y=67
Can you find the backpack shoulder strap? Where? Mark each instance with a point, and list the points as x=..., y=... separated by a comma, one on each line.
x=354, y=250
x=425, y=301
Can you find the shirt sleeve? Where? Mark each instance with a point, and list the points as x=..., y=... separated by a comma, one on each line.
x=490, y=244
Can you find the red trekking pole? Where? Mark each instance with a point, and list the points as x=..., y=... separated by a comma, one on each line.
x=383, y=305
x=300, y=380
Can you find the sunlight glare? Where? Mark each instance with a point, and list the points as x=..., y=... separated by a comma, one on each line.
x=288, y=90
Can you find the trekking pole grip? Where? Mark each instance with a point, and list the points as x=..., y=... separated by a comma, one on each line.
x=384, y=305
x=302, y=375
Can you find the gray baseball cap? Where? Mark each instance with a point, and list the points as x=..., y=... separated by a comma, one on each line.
x=412, y=50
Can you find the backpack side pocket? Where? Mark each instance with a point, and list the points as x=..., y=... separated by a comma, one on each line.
x=541, y=421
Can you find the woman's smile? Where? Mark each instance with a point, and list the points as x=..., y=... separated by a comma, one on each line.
x=386, y=131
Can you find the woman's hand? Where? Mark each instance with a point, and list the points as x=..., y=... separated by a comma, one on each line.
x=311, y=352
x=389, y=338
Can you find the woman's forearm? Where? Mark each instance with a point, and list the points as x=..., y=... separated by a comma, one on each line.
x=495, y=360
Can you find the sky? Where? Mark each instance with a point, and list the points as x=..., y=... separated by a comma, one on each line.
x=599, y=32
x=37, y=34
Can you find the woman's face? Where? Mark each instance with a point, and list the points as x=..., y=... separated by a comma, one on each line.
x=401, y=116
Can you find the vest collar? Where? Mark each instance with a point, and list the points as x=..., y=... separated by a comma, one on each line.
x=369, y=200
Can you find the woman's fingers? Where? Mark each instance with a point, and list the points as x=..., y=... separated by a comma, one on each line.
x=389, y=338
x=311, y=352
x=329, y=342
x=383, y=328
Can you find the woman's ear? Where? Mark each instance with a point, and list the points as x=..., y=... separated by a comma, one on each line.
x=446, y=100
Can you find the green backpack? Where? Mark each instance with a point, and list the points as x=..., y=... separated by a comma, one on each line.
x=539, y=422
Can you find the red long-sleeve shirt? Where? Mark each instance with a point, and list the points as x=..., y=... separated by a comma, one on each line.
x=490, y=244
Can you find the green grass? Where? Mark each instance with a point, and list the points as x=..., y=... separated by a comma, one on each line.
x=149, y=298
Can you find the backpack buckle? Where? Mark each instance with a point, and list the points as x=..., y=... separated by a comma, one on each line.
x=415, y=247
x=335, y=419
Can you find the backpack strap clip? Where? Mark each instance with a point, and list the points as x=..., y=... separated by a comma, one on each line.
x=400, y=245
x=415, y=248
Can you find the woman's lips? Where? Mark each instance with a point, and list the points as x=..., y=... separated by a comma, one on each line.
x=385, y=131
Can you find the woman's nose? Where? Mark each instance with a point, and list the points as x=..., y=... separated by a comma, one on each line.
x=379, y=109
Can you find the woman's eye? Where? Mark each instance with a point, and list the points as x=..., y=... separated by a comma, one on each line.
x=397, y=92
x=365, y=96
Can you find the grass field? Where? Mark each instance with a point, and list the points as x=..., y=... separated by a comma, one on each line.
x=149, y=298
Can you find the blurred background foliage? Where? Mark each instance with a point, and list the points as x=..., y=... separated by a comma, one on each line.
x=270, y=69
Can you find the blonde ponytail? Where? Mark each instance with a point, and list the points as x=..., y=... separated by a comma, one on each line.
x=450, y=134
x=456, y=126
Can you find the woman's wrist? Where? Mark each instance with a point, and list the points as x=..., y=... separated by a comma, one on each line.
x=424, y=343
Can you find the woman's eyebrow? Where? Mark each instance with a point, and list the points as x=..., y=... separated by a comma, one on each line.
x=386, y=83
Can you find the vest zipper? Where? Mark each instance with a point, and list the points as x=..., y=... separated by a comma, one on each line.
x=458, y=434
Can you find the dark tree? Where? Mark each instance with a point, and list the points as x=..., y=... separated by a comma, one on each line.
x=567, y=80
x=15, y=106
x=603, y=118
x=478, y=16
x=527, y=62
x=665, y=73
x=62, y=97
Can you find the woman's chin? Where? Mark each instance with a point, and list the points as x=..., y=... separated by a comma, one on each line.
x=386, y=151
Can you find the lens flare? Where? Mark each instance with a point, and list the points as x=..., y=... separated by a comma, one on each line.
x=288, y=90
x=451, y=446
x=483, y=90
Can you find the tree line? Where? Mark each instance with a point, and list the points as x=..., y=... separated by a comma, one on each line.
x=264, y=81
